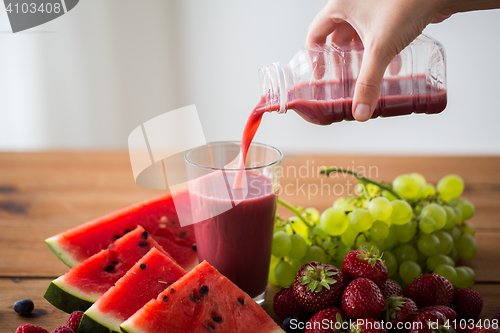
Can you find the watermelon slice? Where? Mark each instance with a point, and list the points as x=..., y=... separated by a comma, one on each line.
x=142, y=283
x=158, y=216
x=201, y=301
x=85, y=283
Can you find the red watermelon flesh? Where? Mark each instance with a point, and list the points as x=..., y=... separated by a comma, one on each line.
x=93, y=277
x=142, y=283
x=158, y=216
x=201, y=301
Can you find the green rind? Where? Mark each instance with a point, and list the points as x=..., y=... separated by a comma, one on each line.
x=65, y=301
x=89, y=325
x=59, y=252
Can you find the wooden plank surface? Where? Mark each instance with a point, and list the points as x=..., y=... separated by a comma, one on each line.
x=42, y=194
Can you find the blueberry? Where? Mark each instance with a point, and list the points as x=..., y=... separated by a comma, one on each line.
x=24, y=306
x=293, y=325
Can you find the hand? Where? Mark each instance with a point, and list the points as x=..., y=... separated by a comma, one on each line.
x=385, y=27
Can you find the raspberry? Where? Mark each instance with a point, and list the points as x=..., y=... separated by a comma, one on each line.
x=74, y=320
x=62, y=329
x=28, y=328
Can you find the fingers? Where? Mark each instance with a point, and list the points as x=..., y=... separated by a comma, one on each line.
x=322, y=25
x=343, y=33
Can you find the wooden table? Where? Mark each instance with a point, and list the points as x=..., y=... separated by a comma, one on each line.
x=42, y=194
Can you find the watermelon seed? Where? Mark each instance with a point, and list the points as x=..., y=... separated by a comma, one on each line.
x=165, y=298
x=144, y=235
x=183, y=234
x=217, y=319
x=203, y=290
x=241, y=300
x=172, y=290
x=116, y=262
x=142, y=266
x=193, y=297
x=210, y=327
x=194, y=247
x=116, y=237
x=109, y=268
x=127, y=231
x=141, y=244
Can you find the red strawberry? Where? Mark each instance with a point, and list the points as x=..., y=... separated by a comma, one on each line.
x=468, y=303
x=285, y=305
x=362, y=299
x=74, y=320
x=391, y=288
x=368, y=325
x=399, y=310
x=428, y=322
x=365, y=264
x=318, y=286
x=431, y=289
x=449, y=313
x=331, y=316
x=28, y=328
x=62, y=329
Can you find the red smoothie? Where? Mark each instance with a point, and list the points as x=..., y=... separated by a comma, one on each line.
x=238, y=241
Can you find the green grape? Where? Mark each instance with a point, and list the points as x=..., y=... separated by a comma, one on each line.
x=448, y=272
x=299, y=227
x=272, y=267
x=439, y=259
x=296, y=264
x=429, y=191
x=464, y=279
x=437, y=212
x=391, y=240
x=418, y=178
x=388, y=195
x=468, y=228
x=455, y=233
x=320, y=234
x=466, y=247
x=369, y=246
x=379, y=245
x=334, y=221
x=445, y=242
x=422, y=258
x=465, y=206
x=407, y=187
x=390, y=262
x=451, y=217
x=409, y=271
x=281, y=244
x=450, y=187
x=284, y=274
x=405, y=232
x=428, y=244
x=459, y=215
x=405, y=252
x=401, y=212
x=343, y=204
x=372, y=189
x=313, y=214
x=348, y=237
x=360, y=240
x=278, y=228
x=380, y=208
x=299, y=247
x=453, y=254
x=289, y=229
x=427, y=225
x=330, y=248
x=472, y=276
x=360, y=219
x=379, y=231
x=315, y=253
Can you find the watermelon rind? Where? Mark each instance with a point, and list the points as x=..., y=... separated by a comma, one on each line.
x=89, y=325
x=53, y=244
x=65, y=301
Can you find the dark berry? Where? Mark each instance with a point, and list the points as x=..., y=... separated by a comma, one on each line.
x=24, y=306
x=293, y=325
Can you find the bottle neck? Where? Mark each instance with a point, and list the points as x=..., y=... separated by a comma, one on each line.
x=275, y=85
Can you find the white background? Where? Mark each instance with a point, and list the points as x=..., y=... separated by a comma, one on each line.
x=88, y=78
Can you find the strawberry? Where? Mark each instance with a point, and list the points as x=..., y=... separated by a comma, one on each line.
x=391, y=288
x=331, y=316
x=285, y=305
x=362, y=299
x=468, y=303
x=365, y=264
x=28, y=328
x=399, y=310
x=429, y=290
x=449, y=313
x=74, y=320
x=368, y=325
x=62, y=329
x=318, y=286
x=428, y=322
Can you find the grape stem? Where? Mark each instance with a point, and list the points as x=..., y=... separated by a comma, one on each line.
x=293, y=210
x=327, y=171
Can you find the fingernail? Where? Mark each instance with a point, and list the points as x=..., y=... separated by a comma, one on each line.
x=362, y=112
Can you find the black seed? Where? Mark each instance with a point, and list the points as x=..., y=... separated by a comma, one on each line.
x=217, y=319
x=143, y=266
x=144, y=235
x=183, y=234
x=241, y=300
x=141, y=244
x=127, y=231
x=172, y=290
x=24, y=306
x=109, y=268
x=165, y=298
x=203, y=290
x=193, y=297
x=194, y=247
x=116, y=262
x=210, y=327
x=116, y=237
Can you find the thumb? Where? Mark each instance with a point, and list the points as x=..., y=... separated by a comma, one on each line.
x=367, y=90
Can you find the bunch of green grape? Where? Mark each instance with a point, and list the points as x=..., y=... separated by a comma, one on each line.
x=419, y=228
